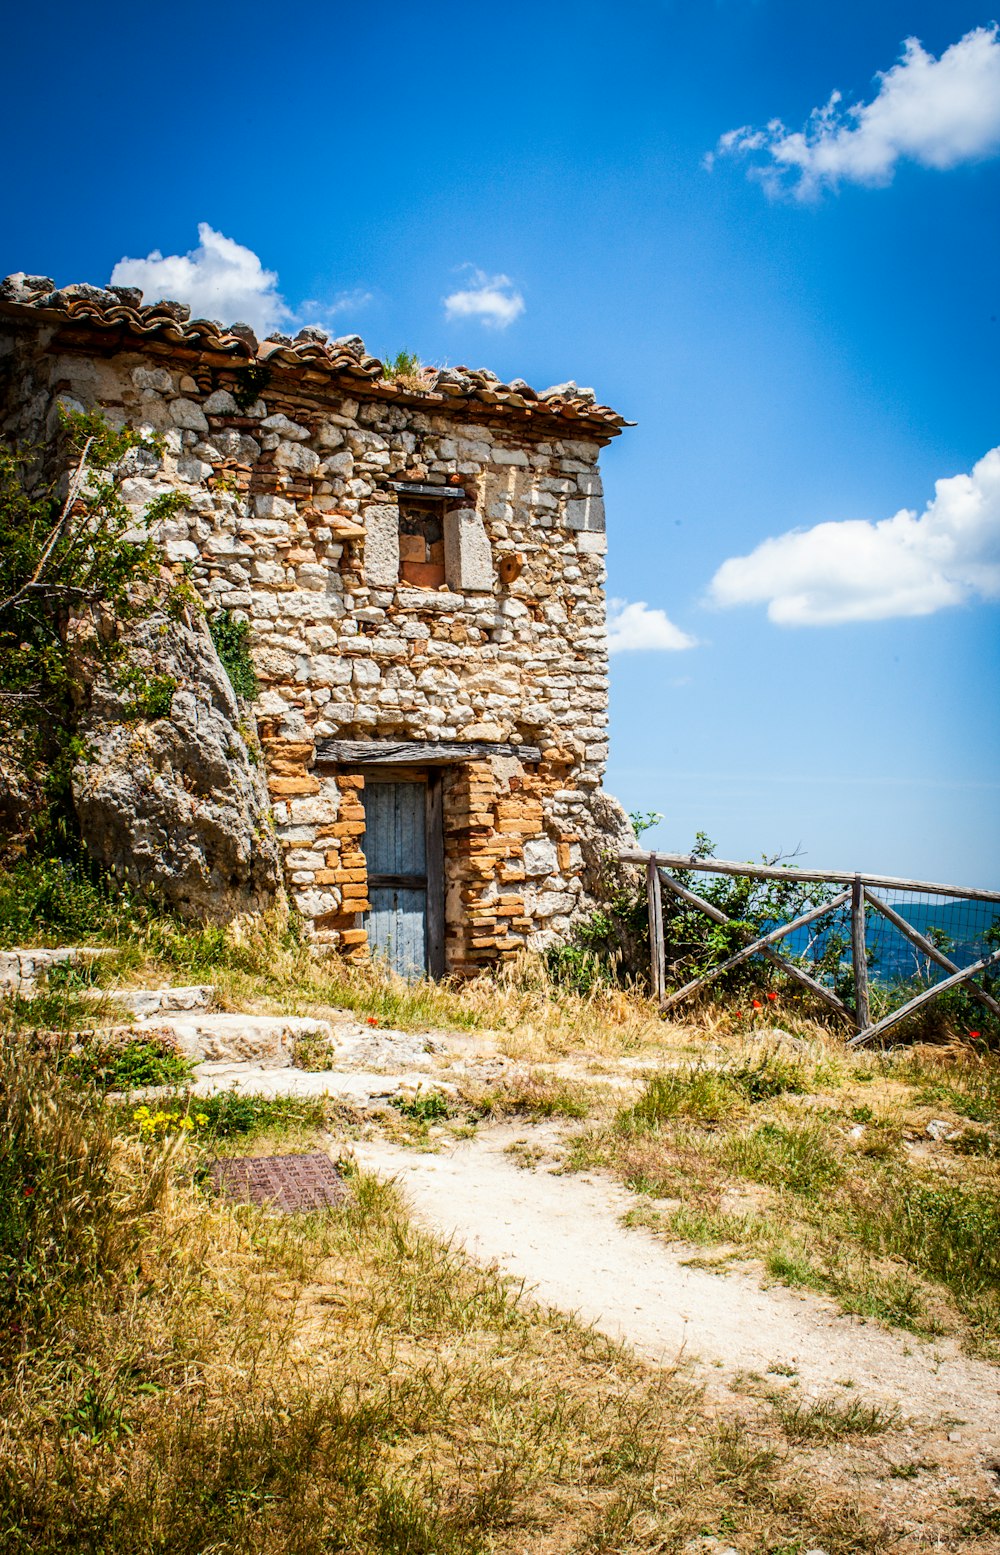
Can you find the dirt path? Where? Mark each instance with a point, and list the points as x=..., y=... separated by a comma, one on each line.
x=562, y=1235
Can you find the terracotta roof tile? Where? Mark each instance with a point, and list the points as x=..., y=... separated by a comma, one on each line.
x=120, y=308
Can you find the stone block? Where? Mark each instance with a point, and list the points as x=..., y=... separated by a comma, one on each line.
x=585, y=513
x=186, y=414
x=468, y=555
x=296, y=458
x=156, y=379
x=382, y=545
x=540, y=857
x=221, y=403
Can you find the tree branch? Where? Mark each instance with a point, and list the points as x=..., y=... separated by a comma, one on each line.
x=74, y=491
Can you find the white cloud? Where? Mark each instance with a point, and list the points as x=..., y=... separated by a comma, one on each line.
x=907, y=565
x=492, y=299
x=936, y=112
x=343, y=302
x=220, y=279
x=223, y=280
x=635, y=626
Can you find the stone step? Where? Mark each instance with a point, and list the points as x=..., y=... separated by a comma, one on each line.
x=266, y=1040
x=360, y=1088
x=21, y=970
x=146, y=1002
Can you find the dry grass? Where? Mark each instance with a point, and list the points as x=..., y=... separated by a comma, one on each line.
x=195, y=1377
x=258, y=966
x=819, y=1164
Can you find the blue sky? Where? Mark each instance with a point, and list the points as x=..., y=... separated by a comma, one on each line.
x=806, y=332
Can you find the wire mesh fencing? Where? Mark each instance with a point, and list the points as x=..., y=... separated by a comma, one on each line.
x=877, y=950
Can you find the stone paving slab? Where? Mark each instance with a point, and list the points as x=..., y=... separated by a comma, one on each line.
x=20, y=970
x=362, y=1088
x=266, y=1040
x=145, y=1002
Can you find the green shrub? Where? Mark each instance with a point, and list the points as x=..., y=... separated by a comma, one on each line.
x=250, y=383
x=150, y=696
x=128, y=1066
x=232, y=643
x=58, y=897
x=82, y=551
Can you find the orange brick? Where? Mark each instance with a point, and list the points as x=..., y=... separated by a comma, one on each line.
x=290, y=750
x=349, y=829
x=354, y=936
x=292, y=785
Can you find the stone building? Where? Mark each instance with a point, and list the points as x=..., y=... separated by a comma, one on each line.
x=422, y=562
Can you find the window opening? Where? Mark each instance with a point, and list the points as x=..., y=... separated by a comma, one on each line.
x=421, y=543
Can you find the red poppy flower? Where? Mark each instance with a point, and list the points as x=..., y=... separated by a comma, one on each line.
x=372, y=1020
x=973, y=1033
x=738, y=1014
x=757, y=1004
x=28, y=1192
x=772, y=996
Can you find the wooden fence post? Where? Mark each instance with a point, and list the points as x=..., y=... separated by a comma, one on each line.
x=657, y=955
x=859, y=955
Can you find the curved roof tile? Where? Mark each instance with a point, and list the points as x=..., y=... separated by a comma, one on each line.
x=120, y=307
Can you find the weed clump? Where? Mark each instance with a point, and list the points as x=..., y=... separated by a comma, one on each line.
x=712, y=1094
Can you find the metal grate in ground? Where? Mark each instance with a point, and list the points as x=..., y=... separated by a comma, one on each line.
x=282, y=1182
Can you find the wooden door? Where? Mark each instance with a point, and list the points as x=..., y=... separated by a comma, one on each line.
x=402, y=847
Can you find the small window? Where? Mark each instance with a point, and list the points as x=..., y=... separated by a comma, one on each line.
x=421, y=543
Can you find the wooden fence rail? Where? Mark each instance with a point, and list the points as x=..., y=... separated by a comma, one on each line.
x=861, y=894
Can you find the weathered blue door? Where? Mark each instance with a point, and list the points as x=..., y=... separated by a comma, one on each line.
x=395, y=845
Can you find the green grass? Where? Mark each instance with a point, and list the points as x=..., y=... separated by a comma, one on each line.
x=798, y=1158
x=56, y=1009
x=713, y=1094
x=536, y=1096
x=830, y=1419
x=969, y=1087
x=423, y=1107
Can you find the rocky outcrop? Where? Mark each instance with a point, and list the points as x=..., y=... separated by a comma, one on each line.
x=176, y=804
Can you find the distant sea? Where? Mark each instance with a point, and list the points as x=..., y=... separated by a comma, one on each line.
x=891, y=956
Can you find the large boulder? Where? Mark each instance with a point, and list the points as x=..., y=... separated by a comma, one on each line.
x=171, y=794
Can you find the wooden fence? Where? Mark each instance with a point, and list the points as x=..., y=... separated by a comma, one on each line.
x=860, y=890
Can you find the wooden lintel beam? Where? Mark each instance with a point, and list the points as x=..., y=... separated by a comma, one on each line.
x=424, y=753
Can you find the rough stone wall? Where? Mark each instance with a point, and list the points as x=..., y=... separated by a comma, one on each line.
x=290, y=520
